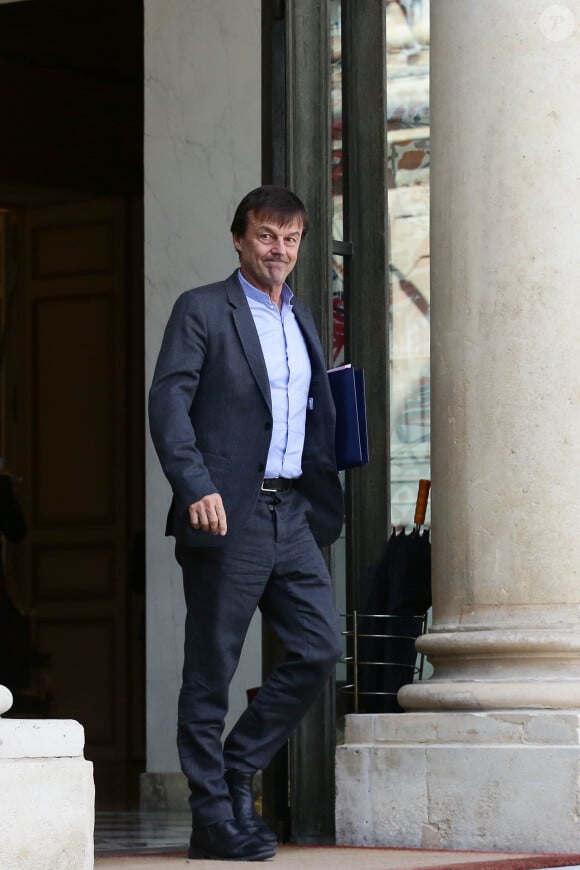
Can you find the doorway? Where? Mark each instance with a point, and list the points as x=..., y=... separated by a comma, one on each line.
x=71, y=377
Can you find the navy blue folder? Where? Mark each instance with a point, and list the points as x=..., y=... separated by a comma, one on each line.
x=348, y=391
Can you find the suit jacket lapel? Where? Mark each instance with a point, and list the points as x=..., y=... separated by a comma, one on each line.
x=248, y=335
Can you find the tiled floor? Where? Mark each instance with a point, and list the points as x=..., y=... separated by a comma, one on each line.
x=137, y=832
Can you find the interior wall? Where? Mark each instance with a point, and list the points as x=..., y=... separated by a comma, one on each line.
x=202, y=154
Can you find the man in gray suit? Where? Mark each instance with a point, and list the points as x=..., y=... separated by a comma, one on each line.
x=242, y=419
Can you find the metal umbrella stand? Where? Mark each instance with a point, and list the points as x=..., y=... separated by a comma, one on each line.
x=383, y=637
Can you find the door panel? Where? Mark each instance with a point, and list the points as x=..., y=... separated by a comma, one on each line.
x=68, y=419
x=76, y=425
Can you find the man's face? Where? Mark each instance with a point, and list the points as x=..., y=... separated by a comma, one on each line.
x=268, y=251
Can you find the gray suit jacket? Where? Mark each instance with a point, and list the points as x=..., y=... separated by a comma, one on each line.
x=210, y=414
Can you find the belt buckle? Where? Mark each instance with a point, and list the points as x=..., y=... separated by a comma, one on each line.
x=267, y=488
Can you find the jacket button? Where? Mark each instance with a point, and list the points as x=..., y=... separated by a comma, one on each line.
x=261, y=467
x=267, y=426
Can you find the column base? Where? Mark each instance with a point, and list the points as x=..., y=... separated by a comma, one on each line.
x=499, y=669
x=486, y=781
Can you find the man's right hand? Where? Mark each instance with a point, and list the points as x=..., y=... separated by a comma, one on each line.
x=208, y=514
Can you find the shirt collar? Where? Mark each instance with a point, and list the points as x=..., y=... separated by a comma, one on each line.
x=259, y=295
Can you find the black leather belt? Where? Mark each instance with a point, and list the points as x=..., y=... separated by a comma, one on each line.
x=276, y=484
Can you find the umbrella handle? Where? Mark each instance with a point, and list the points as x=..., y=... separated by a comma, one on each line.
x=422, y=499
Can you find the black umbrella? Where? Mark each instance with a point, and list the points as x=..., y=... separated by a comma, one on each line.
x=399, y=598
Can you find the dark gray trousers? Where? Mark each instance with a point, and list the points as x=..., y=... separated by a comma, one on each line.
x=276, y=565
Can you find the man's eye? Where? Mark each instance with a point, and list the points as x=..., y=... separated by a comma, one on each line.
x=266, y=237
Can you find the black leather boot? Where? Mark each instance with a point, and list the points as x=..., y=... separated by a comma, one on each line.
x=242, y=794
x=227, y=841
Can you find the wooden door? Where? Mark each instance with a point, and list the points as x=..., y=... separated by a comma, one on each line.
x=70, y=433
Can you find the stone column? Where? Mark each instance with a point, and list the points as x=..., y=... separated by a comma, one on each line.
x=505, y=358
x=489, y=756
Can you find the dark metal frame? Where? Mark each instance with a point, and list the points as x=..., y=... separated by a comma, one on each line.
x=296, y=152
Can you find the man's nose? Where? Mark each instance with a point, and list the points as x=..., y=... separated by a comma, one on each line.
x=278, y=247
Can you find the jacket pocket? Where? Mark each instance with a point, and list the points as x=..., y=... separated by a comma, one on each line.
x=218, y=468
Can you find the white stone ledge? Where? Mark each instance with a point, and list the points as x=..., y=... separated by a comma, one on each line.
x=41, y=738
x=47, y=794
x=46, y=814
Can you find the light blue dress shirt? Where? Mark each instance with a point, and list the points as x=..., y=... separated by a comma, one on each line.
x=289, y=372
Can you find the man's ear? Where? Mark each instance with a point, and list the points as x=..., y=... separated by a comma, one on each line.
x=237, y=244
